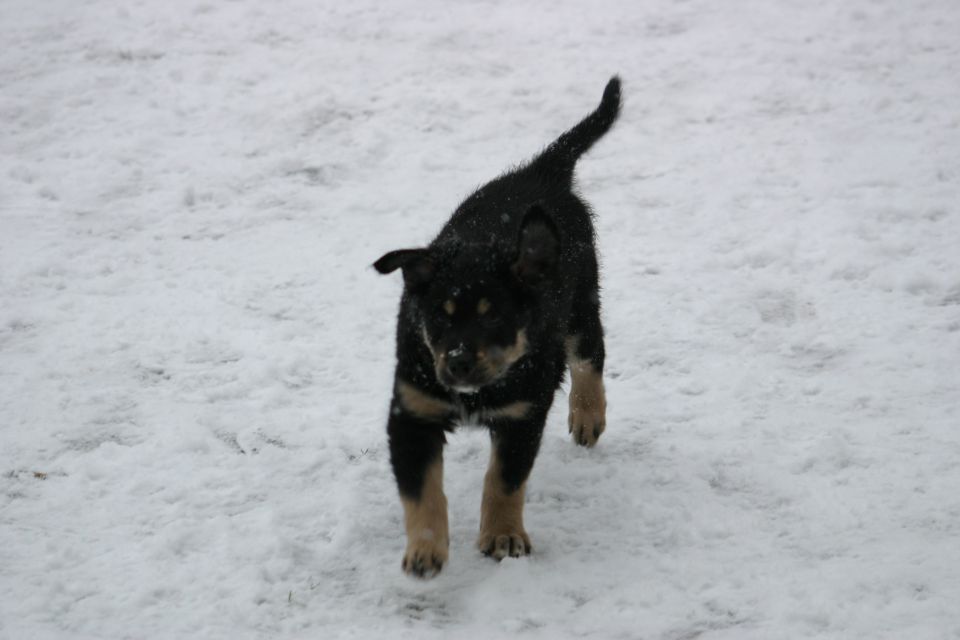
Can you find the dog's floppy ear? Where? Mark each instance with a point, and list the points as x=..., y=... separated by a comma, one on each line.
x=418, y=267
x=538, y=248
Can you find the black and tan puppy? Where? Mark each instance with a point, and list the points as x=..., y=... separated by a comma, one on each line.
x=493, y=311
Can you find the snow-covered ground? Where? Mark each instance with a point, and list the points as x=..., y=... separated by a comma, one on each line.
x=195, y=356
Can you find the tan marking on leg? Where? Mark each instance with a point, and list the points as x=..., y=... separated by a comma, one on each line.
x=512, y=411
x=428, y=538
x=588, y=401
x=421, y=404
x=501, y=516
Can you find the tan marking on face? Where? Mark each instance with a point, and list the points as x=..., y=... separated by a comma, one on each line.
x=439, y=357
x=512, y=411
x=495, y=360
x=588, y=402
x=483, y=306
x=518, y=349
x=421, y=404
x=428, y=538
x=501, y=515
x=450, y=307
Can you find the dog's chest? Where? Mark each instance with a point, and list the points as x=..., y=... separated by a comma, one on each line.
x=477, y=409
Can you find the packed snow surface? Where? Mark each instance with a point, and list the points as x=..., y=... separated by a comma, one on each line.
x=196, y=357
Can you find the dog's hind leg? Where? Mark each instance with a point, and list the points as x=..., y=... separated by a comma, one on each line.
x=585, y=358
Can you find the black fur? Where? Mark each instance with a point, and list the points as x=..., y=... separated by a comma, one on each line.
x=524, y=245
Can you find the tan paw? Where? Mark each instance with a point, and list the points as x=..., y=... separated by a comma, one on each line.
x=588, y=403
x=425, y=558
x=587, y=422
x=501, y=545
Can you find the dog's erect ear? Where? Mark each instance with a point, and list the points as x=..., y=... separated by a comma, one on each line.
x=418, y=268
x=538, y=248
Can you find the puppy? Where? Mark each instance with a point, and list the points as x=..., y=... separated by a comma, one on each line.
x=493, y=311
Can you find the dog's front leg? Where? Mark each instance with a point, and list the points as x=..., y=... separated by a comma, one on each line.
x=416, y=433
x=513, y=450
x=588, y=402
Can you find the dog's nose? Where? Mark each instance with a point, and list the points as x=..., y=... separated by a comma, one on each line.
x=460, y=364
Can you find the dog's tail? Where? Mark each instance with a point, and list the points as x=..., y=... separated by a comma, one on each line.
x=561, y=156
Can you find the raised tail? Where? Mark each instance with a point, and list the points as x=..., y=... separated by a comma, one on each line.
x=562, y=154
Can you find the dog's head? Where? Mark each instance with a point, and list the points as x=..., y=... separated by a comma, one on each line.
x=474, y=301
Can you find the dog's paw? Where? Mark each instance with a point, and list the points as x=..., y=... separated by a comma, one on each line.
x=588, y=404
x=502, y=544
x=587, y=421
x=424, y=558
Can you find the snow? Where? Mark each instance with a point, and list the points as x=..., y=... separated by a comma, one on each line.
x=195, y=356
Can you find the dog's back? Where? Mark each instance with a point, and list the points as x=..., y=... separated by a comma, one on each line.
x=496, y=209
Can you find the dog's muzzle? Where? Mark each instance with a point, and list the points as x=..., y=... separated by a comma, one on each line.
x=462, y=372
